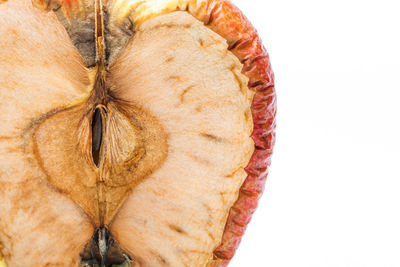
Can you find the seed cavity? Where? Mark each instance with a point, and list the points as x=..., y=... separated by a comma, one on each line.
x=97, y=135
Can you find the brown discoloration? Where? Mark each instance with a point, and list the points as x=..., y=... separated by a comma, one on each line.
x=197, y=252
x=159, y=192
x=199, y=159
x=14, y=36
x=188, y=255
x=170, y=59
x=40, y=119
x=248, y=117
x=182, y=96
x=224, y=195
x=233, y=174
x=175, y=78
x=170, y=26
x=119, y=173
x=207, y=44
x=177, y=229
x=243, y=88
x=2, y=254
x=7, y=138
x=213, y=138
x=135, y=156
x=54, y=264
x=164, y=26
x=201, y=42
x=199, y=108
x=78, y=20
x=162, y=260
x=209, y=211
x=211, y=236
x=185, y=257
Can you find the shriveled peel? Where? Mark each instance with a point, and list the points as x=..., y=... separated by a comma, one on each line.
x=126, y=78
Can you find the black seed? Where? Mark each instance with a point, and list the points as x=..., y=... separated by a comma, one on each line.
x=97, y=135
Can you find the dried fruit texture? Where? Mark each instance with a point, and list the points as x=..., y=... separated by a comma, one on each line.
x=206, y=112
x=185, y=108
x=40, y=72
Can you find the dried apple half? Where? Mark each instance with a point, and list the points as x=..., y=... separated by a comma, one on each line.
x=133, y=133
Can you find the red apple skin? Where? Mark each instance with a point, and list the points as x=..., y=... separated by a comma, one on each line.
x=228, y=21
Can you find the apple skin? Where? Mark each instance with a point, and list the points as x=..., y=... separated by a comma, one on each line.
x=227, y=20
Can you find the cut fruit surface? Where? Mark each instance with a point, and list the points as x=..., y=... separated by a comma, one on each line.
x=178, y=214
x=135, y=134
x=40, y=71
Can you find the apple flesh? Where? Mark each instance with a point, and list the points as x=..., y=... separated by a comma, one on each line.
x=167, y=156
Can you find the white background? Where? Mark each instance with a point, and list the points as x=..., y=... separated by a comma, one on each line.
x=333, y=194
